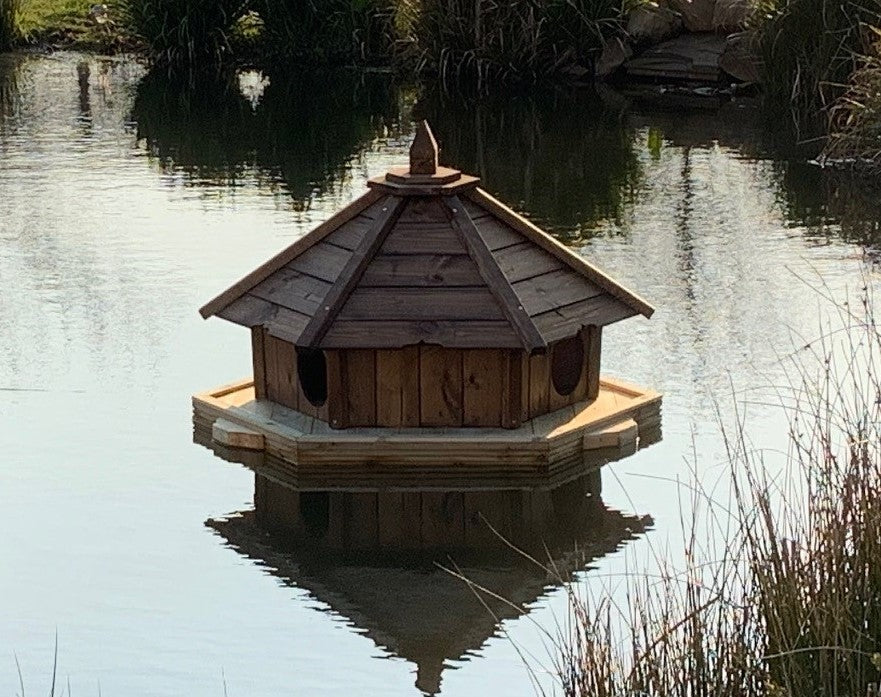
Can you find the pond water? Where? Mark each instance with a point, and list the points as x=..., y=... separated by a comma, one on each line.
x=126, y=203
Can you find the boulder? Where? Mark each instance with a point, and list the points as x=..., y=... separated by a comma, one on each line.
x=615, y=53
x=731, y=15
x=696, y=14
x=653, y=23
x=740, y=58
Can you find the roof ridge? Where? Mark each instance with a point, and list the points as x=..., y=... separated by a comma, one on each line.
x=291, y=252
x=576, y=262
x=351, y=274
x=502, y=290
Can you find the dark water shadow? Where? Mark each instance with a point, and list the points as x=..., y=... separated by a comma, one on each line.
x=375, y=558
x=302, y=132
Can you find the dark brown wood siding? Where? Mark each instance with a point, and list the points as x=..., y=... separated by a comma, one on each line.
x=427, y=386
x=540, y=396
x=281, y=382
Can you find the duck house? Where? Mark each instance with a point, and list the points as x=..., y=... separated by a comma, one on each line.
x=424, y=329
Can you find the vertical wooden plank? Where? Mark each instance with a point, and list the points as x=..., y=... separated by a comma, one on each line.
x=511, y=389
x=410, y=398
x=361, y=386
x=539, y=384
x=361, y=522
x=337, y=402
x=594, y=336
x=281, y=369
x=524, y=386
x=555, y=399
x=443, y=519
x=579, y=394
x=483, y=372
x=258, y=358
x=389, y=388
x=440, y=381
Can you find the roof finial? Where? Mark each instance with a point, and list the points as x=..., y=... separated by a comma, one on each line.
x=423, y=151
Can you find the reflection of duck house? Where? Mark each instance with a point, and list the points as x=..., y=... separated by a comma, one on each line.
x=422, y=613
x=427, y=324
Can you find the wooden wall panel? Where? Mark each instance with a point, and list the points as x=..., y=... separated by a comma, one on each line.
x=389, y=388
x=258, y=359
x=483, y=373
x=440, y=379
x=337, y=404
x=594, y=350
x=410, y=400
x=360, y=367
x=539, y=384
x=281, y=372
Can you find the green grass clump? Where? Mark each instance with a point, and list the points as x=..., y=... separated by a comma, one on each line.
x=9, y=23
x=809, y=51
x=184, y=35
x=484, y=41
x=330, y=32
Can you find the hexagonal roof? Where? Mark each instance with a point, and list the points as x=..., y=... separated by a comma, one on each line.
x=425, y=256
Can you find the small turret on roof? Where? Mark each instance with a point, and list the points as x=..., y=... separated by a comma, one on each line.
x=426, y=257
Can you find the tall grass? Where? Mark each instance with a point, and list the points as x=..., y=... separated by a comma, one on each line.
x=792, y=608
x=331, y=32
x=855, y=136
x=184, y=35
x=810, y=49
x=9, y=13
x=487, y=41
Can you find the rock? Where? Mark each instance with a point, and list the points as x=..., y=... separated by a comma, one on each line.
x=740, y=58
x=731, y=15
x=615, y=53
x=696, y=14
x=653, y=23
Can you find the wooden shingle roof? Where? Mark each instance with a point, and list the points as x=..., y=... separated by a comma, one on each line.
x=426, y=257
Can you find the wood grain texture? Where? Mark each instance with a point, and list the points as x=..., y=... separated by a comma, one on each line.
x=294, y=290
x=258, y=359
x=389, y=388
x=360, y=366
x=324, y=261
x=539, y=385
x=549, y=244
x=594, y=339
x=410, y=384
x=566, y=321
x=512, y=388
x=553, y=290
x=502, y=291
x=351, y=274
x=496, y=235
x=440, y=376
x=483, y=371
x=281, y=366
x=525, y=260
x=415, y=238
x=476, y=334
x=425, y=270
x=337, y=388
x=421, y=305
x=260, y=273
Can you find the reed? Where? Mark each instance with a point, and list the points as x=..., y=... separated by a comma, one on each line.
x=855, y=137
x=184, y=35
x=331, y=32
x=482, y=42
x=809, y=50
x=793, y=605
x=9, y=23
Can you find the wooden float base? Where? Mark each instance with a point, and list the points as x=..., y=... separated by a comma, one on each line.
x=305, y=452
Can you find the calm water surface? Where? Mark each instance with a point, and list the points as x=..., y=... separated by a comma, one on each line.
x=125, y=204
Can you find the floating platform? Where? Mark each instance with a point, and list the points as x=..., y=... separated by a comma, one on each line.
x=302, y=451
